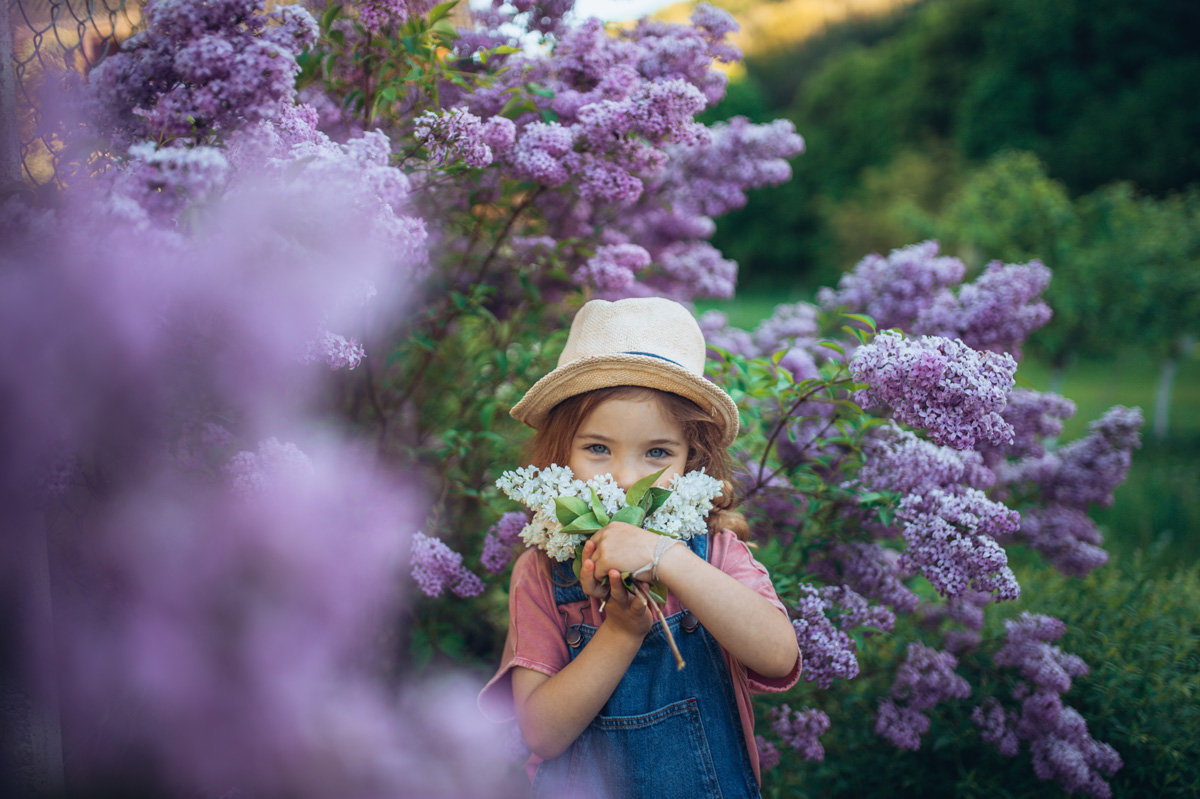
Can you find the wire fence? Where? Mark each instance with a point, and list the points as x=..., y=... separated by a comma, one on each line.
x=51, y=38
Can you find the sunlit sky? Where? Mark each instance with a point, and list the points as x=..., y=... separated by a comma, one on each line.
x=618, y=10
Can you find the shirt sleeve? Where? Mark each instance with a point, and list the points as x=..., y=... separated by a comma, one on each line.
x=734, y=558
x=535, y=636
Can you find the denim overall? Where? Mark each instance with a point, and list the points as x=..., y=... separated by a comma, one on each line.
x=664, y=733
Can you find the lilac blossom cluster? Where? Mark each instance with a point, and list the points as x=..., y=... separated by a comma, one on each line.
x=200, y=69
x=895, y=291
x=1067, y=481
x=438, y=569
x=829, y=653
x=951, y=540
x=997, y=312
x=801, y=729
x=1059, y=742
x=614, y=131
x=459, y=134
x=926, y=678
x=913, y=289
x=872, y=570
x=768, y=754
x=377, y=14
x=501, y=540
x=941, y=385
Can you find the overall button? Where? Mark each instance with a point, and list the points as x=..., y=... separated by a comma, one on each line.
x=689, y=623
x=574, y=637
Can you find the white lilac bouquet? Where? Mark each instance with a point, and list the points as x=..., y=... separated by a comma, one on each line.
x=567, y=511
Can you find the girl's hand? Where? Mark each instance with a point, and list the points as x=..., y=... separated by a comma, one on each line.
x=626, y=611
x=620, y=547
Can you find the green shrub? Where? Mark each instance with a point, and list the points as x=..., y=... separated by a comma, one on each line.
x=1139, y=633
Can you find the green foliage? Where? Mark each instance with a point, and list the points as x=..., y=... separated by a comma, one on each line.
x=1141, y=637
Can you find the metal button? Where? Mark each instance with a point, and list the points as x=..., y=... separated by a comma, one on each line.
x=574, y=637
x=689, y=623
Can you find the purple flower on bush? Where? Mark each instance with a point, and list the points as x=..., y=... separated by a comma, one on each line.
x=614, y=266
x=897, y=289
x=768, y=755
x=801, y=730
x=952, y=541
x=953, y=392
x=1066, y=537
x=997, y=312
x=437, y=568
x=375, y=14
x=926, y=678
x=828, y=652
x=458, y=134
x=997, y=726
x=871, y=570
x=1027, y=648
x=502, y=538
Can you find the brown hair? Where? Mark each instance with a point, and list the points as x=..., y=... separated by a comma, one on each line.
x=552, y=443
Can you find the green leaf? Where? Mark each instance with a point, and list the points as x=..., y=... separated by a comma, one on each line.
x=658, y=497
x=568, y=509
x=635, y=493
x=549, y=116
x=598, y=509
x=441, y=10
x=540, y=91
x=862, y=317
x=329, y=16
x=584, y=524
x=832, y=345
x=659, y=592
x=631, y=514
x=577, y=565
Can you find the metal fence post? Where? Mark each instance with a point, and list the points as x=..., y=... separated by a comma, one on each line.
x=10, y=150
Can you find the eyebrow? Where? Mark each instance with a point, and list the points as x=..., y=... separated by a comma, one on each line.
x=605, y=440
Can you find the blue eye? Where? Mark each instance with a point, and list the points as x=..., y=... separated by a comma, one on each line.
x=663, y=453
x=597, y=449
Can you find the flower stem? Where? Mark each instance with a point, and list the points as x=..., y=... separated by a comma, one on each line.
x=645, y=595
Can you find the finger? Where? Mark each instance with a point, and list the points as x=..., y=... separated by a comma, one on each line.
x=619, y=594
x=587, y=580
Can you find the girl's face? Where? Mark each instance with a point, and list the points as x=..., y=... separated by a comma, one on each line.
x=628, y=439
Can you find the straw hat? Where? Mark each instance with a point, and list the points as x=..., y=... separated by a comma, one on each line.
x=649, y=342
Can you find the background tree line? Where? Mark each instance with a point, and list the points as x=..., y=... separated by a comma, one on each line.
x=1062, y=131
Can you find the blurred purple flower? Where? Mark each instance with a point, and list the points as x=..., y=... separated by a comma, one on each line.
x=437, y=568
x=768, y=755
x=801, y=730
x=501, y=540
x=828, y=652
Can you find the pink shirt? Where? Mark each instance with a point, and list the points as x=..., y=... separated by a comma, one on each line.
x=536, y=630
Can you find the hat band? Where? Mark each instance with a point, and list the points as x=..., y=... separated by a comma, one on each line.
x=652, y=355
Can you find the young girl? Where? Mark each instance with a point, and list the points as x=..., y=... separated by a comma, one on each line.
x=596, y=693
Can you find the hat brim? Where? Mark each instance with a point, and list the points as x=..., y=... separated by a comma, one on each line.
x=622, y=369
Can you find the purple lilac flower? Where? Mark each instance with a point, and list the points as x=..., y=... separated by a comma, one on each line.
x=163, y=180
x=199, y=69
x=375, y=14
x=997, y=312
x=952, y=541
x=1087, y=470
x=455, y=134
x=896, y=460
x=614, y=266
x=437, y=568
x=1034, y=416
x=768, y=755
x=718, y=333
x=925, y=679
x=1069, y=755
x=1027, y=648
x=901, y=726
x=789, y=325
x=335, y=351
x=1066, y=536
x=854, y=611
x=501, y=540
x=895, y=290
x=697, y=265
x=801, y=730
x=252, y=474
x=539, y=151
x=997, y=726
x=828, y=652
x=943, y=386
x=871, y=570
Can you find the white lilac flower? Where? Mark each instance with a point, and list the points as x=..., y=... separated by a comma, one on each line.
x=683, y=514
